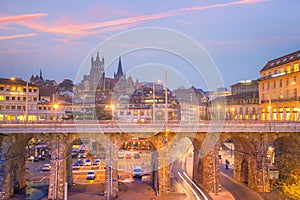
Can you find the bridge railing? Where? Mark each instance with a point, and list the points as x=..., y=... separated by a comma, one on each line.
x=159, y=126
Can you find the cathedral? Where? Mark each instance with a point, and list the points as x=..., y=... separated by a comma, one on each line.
x=95, y=87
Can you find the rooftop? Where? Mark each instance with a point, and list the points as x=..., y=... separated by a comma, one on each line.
x=282, y=60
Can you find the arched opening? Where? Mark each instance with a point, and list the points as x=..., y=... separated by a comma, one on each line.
x=182, y=155
x=28, y=167
x=244, y=172
x=85, y=166
x=136, y=153
x=285, y=157
x=237, y=159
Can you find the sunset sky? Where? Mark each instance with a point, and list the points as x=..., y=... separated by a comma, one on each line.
x=56, y=36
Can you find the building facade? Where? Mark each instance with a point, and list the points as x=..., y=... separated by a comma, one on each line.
x=279, y=88
x=18, y=100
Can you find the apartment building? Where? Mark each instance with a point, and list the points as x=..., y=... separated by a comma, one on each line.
x=18, y=100
x=279, y=88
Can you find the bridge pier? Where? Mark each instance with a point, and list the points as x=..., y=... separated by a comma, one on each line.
x=12, y=164
x=58, y=175
x=206, y=171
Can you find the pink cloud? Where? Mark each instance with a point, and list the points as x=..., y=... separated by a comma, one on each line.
x=17, y=36
x=18, y=18
x=66, y=28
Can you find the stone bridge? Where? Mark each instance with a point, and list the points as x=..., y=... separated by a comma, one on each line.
x=251, y=139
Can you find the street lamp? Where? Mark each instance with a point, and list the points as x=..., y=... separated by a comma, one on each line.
x=55, y=106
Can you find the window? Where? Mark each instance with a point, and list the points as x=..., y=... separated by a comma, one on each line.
x=268, y=85
x=1, y=98
x=280, y=83
x=274, y=84
x=34, y=90
x=287, y=94
x=295, y=93
x=263, y=87
x=13, y=98
x=7, y=107
x=29, y=90
x=295, y=79
x=1, y=88
x=287, y=81
x=24, y=98
x=13, y=88
x=281, y=94
x=296, y=68
x=13, y=107
x=34, y=99
x=7, y=98
x=24, y=89
x=288, y=69
x=19, y=98
x=19, y=107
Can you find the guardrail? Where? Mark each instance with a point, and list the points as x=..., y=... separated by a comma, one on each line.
x=112, y=127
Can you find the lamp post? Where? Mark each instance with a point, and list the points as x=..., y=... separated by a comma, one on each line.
x=55, y=108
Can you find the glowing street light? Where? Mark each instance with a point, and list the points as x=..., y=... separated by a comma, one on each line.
x=55, y=106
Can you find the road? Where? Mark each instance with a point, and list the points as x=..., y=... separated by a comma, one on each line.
x=238, y=190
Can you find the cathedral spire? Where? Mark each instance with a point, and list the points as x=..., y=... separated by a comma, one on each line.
x=119, y=70
x=41, y=74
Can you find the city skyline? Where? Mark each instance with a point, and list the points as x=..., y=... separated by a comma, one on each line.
x=239, y=36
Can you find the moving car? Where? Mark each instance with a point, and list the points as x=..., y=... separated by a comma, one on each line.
x=90, y=175
x=46, y=167
x=137, y=172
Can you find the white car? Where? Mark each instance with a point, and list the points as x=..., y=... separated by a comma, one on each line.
x=87, y=162
x=137, y=172
x=90, y=175
x=98, y=161
x=46, y=167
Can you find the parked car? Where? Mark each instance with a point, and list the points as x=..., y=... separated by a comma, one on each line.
x=121, y=154
x=137, y=172
x=31, y=158
x=128, y=155
x=79, y=162
x=46, y=167
x=75, y=166
x=90, y=175
x=36, y=159
x=98, y=161
x=87, y=162
x=136, y=155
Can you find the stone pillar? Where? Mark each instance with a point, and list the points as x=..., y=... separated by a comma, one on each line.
x=111, y=171
x=206, y=172
x=12, y=166
x=58, y=175
x=263, y=182
x=3, y=183
x=163, y=172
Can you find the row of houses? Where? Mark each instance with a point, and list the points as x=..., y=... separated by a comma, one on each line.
x=273, y=96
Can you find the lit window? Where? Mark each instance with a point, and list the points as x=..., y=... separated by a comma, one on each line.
x=288, y=69
x=296, y=68
x=1, y=98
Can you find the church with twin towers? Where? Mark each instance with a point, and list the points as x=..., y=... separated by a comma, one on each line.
x=97, y=85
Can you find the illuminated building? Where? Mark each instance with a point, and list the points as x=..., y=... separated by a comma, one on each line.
x=279, y=85
x=18, y=100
